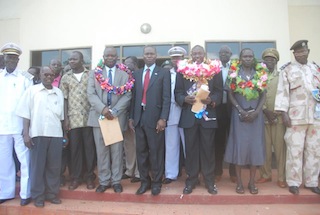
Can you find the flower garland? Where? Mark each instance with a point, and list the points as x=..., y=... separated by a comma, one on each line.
x=199, y=72
x=249, y=89
x=105, y=85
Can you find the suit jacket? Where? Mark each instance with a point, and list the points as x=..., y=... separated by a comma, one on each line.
x=98, y=98
x=158, y=97
x=187, y=118
x=223, y=114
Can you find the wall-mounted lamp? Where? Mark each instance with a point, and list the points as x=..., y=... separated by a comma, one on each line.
x=145, y=28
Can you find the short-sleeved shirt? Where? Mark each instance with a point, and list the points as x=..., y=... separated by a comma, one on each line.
x=44, y=109
x=76, y=93
x=12, y=87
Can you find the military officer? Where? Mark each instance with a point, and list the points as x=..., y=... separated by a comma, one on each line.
x=274, y=128
x=294, y=99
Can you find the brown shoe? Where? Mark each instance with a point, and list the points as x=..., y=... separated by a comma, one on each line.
x=233, y=179
x=74, y=185
x=282, y=184
x=90, y=185
x=263, y=180
x=217, y=178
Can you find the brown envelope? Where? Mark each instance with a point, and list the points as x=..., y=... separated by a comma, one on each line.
x=110, y=130
x=201, y=94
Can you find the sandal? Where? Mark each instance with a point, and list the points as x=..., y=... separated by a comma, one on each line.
x=240, y=189
x=253, y=189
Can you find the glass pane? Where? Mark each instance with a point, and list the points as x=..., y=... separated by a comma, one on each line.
x=132, y=51
x=66, y=54
x=258, y=47
x=213, y=48
x=47, y=56
x=162, y=50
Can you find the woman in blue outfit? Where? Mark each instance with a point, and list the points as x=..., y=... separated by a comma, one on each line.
x=246, y=88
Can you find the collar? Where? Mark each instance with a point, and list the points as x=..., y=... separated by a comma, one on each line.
x=15, y=72
x=151, y=67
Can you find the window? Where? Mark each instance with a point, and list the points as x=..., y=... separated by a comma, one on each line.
x=137, y=50
x=213, y=48
x=43, y=58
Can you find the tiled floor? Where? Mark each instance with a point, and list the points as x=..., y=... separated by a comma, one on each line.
x=270, y=200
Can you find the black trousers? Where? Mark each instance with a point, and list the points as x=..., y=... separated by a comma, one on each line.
x=199, y=154
x=45, y=165
x=150, y=154
x=82, y=151
x=220, y=141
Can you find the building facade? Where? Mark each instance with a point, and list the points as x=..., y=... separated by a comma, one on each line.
x=52, y=29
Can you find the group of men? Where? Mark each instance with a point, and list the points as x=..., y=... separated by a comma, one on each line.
x=155, y=117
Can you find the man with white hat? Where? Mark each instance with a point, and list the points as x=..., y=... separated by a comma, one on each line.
x=12, y=85
x=173, y=134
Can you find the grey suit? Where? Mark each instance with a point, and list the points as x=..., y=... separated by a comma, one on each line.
x=109, y=157
x=150, y=144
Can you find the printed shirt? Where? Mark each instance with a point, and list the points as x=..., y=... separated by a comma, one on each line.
x=44, y=109
x=12, y=87
x=294, y=95
x=75, y=93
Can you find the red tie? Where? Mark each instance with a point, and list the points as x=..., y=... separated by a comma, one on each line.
x=145, y=86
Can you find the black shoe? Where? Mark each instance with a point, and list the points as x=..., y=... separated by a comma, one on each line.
x=55, y=201
x=313, y=189
x=90, y=184
x=124, y=176
x=142, y=189
x=212, y=189
x=135, y=180
x=294, y=190
x=39, y=203
x=102, y=188
x=74, y=185
x=167, y=181
x=155, y=190
x=4, y=200
x=24, y=202
x=117, y=188
x=188, y=189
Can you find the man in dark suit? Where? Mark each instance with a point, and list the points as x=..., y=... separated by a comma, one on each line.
x=224, y=118
x=199, y=133
x=148, y=116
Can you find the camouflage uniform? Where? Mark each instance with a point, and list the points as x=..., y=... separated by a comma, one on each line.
x=303, y=138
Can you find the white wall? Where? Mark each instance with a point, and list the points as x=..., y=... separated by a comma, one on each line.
x=46, y=24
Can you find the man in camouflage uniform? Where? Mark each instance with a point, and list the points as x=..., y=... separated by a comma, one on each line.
x=294, y=99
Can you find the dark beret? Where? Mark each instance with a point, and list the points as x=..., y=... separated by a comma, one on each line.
x=299, y=44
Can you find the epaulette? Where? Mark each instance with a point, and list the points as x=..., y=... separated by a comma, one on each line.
x=318, y=67
x=285, y=65
x=27, y=75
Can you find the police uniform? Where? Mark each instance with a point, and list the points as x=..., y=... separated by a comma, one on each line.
x=294, y=96
x=12, y=86
x=173, y=134
x=273, y=132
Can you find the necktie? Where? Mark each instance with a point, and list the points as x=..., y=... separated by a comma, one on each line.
x=145, y=86
x=110, y=82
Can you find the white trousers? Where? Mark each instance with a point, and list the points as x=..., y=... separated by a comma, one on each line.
x=8, y=170
x=173, y=135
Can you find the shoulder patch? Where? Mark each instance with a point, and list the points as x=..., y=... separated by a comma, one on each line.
x=285, y=65
x=318, y=67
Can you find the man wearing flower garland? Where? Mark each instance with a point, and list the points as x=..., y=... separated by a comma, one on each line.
x=200, y=131
x=149, y=113
x=274, y=128
x=295, y=100
x=109, y=97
